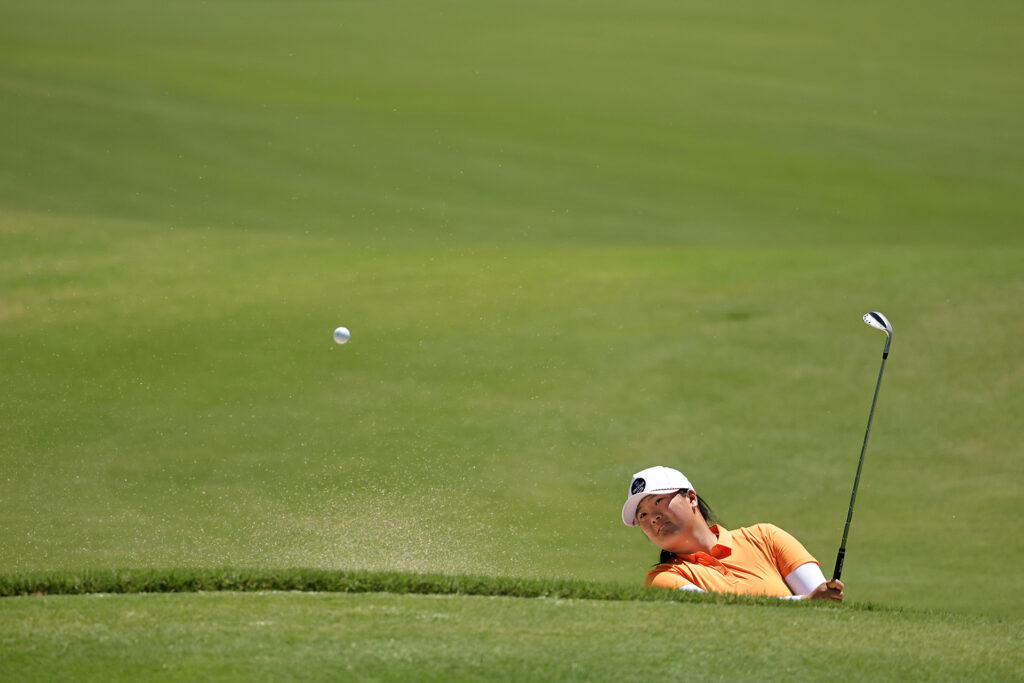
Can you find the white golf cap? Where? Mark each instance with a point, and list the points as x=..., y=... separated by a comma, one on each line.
x=649, y=482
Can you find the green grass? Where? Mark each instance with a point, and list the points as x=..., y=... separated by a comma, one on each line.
x=657, y=122
x=571, y=240
x=373, y=636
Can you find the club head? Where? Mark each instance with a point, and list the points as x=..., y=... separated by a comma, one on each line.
x=879, y=322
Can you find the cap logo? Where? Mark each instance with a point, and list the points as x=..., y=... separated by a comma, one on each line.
x=637, y=486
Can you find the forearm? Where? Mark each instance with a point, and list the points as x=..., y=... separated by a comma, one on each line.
x=805, y=582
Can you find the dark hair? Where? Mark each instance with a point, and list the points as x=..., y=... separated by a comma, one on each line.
x=705, y=511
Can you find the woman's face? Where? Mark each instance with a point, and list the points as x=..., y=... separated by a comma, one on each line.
x=671, y=521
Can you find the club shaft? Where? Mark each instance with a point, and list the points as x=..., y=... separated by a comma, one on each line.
x=860, y=464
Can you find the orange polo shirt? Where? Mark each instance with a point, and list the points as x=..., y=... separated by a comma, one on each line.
x=751, y=561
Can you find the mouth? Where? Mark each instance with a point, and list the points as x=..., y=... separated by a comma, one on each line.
x=667, y=529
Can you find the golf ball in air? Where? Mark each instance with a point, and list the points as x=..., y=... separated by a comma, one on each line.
x=341, y=335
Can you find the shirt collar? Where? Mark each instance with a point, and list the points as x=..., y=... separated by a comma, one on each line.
x=722, y=548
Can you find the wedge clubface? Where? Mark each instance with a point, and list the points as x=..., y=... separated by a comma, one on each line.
x=879, y=322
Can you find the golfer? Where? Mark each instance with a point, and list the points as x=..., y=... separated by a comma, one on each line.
x=756, y=560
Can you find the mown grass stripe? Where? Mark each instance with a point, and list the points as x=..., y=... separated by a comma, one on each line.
x=327, y=581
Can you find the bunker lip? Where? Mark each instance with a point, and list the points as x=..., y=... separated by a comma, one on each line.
x=196, y=580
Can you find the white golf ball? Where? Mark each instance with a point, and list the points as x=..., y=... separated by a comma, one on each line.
x=341, y=335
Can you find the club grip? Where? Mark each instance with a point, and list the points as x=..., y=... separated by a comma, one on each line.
x=839, y=564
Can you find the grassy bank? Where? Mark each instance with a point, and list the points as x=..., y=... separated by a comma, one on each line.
x=311, y=580
x=373, y=636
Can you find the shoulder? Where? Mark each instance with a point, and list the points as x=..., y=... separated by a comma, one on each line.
x=781, y=545
x=766, y=536
x=762, y=530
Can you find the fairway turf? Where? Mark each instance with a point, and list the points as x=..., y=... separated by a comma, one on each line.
x=304, y=636
x=570, y=241
x=457, y=121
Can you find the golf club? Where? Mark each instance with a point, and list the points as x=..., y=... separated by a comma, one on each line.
x=878, y=321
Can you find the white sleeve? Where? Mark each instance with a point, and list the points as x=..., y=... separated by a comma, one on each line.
x=691, y=587
x=804, y=579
